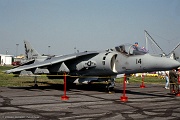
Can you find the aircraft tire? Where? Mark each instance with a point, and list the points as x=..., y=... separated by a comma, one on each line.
x=36, y=85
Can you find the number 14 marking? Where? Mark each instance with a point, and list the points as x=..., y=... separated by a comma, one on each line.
x=138, y=61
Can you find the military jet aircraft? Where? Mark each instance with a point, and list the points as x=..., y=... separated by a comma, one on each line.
x=99, y=66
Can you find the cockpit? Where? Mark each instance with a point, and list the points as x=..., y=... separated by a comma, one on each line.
x=130, y=49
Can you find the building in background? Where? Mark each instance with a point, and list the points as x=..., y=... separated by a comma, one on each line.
x=6, y=59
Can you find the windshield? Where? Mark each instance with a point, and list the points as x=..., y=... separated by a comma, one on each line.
x=130, y=49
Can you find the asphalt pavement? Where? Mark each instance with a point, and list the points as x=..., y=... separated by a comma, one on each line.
x=88, y=102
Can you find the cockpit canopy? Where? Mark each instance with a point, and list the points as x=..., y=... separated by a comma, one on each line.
x=130, y=49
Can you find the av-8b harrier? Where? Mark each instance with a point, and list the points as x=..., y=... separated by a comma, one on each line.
x=99, y=66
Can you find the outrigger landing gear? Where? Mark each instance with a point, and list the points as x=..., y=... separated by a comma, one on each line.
x=35, y=82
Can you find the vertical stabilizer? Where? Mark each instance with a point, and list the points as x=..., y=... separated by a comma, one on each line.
x=30, y=52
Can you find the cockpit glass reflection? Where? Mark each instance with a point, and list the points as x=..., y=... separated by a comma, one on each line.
x=130, y=49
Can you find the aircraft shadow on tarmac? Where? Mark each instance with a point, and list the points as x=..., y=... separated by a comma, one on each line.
x=92, y=87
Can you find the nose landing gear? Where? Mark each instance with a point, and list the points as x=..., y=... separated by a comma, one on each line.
x=110, y=85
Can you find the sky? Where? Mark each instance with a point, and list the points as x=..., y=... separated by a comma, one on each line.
x=85, y=25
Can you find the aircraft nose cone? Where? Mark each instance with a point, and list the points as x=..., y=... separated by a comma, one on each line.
x=155, y=63
x=166, y=63
x=172, y=63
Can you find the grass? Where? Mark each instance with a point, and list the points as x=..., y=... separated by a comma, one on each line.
x=150, y=80
x=10, y=80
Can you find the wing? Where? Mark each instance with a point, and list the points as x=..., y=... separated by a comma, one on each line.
x=51, y=61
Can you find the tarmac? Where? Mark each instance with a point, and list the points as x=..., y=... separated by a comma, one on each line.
x=88, y=102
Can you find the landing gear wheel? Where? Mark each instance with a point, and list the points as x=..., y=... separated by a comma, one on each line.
x=35, y=82
x=109, y=88
x=70, y=85
x=35, y=85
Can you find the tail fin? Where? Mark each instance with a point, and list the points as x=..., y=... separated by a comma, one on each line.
x=30, y=52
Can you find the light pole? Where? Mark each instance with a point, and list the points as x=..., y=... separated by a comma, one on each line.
x=6, y=51
x=17, y=49
x=49, y=50
x=74, y=49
